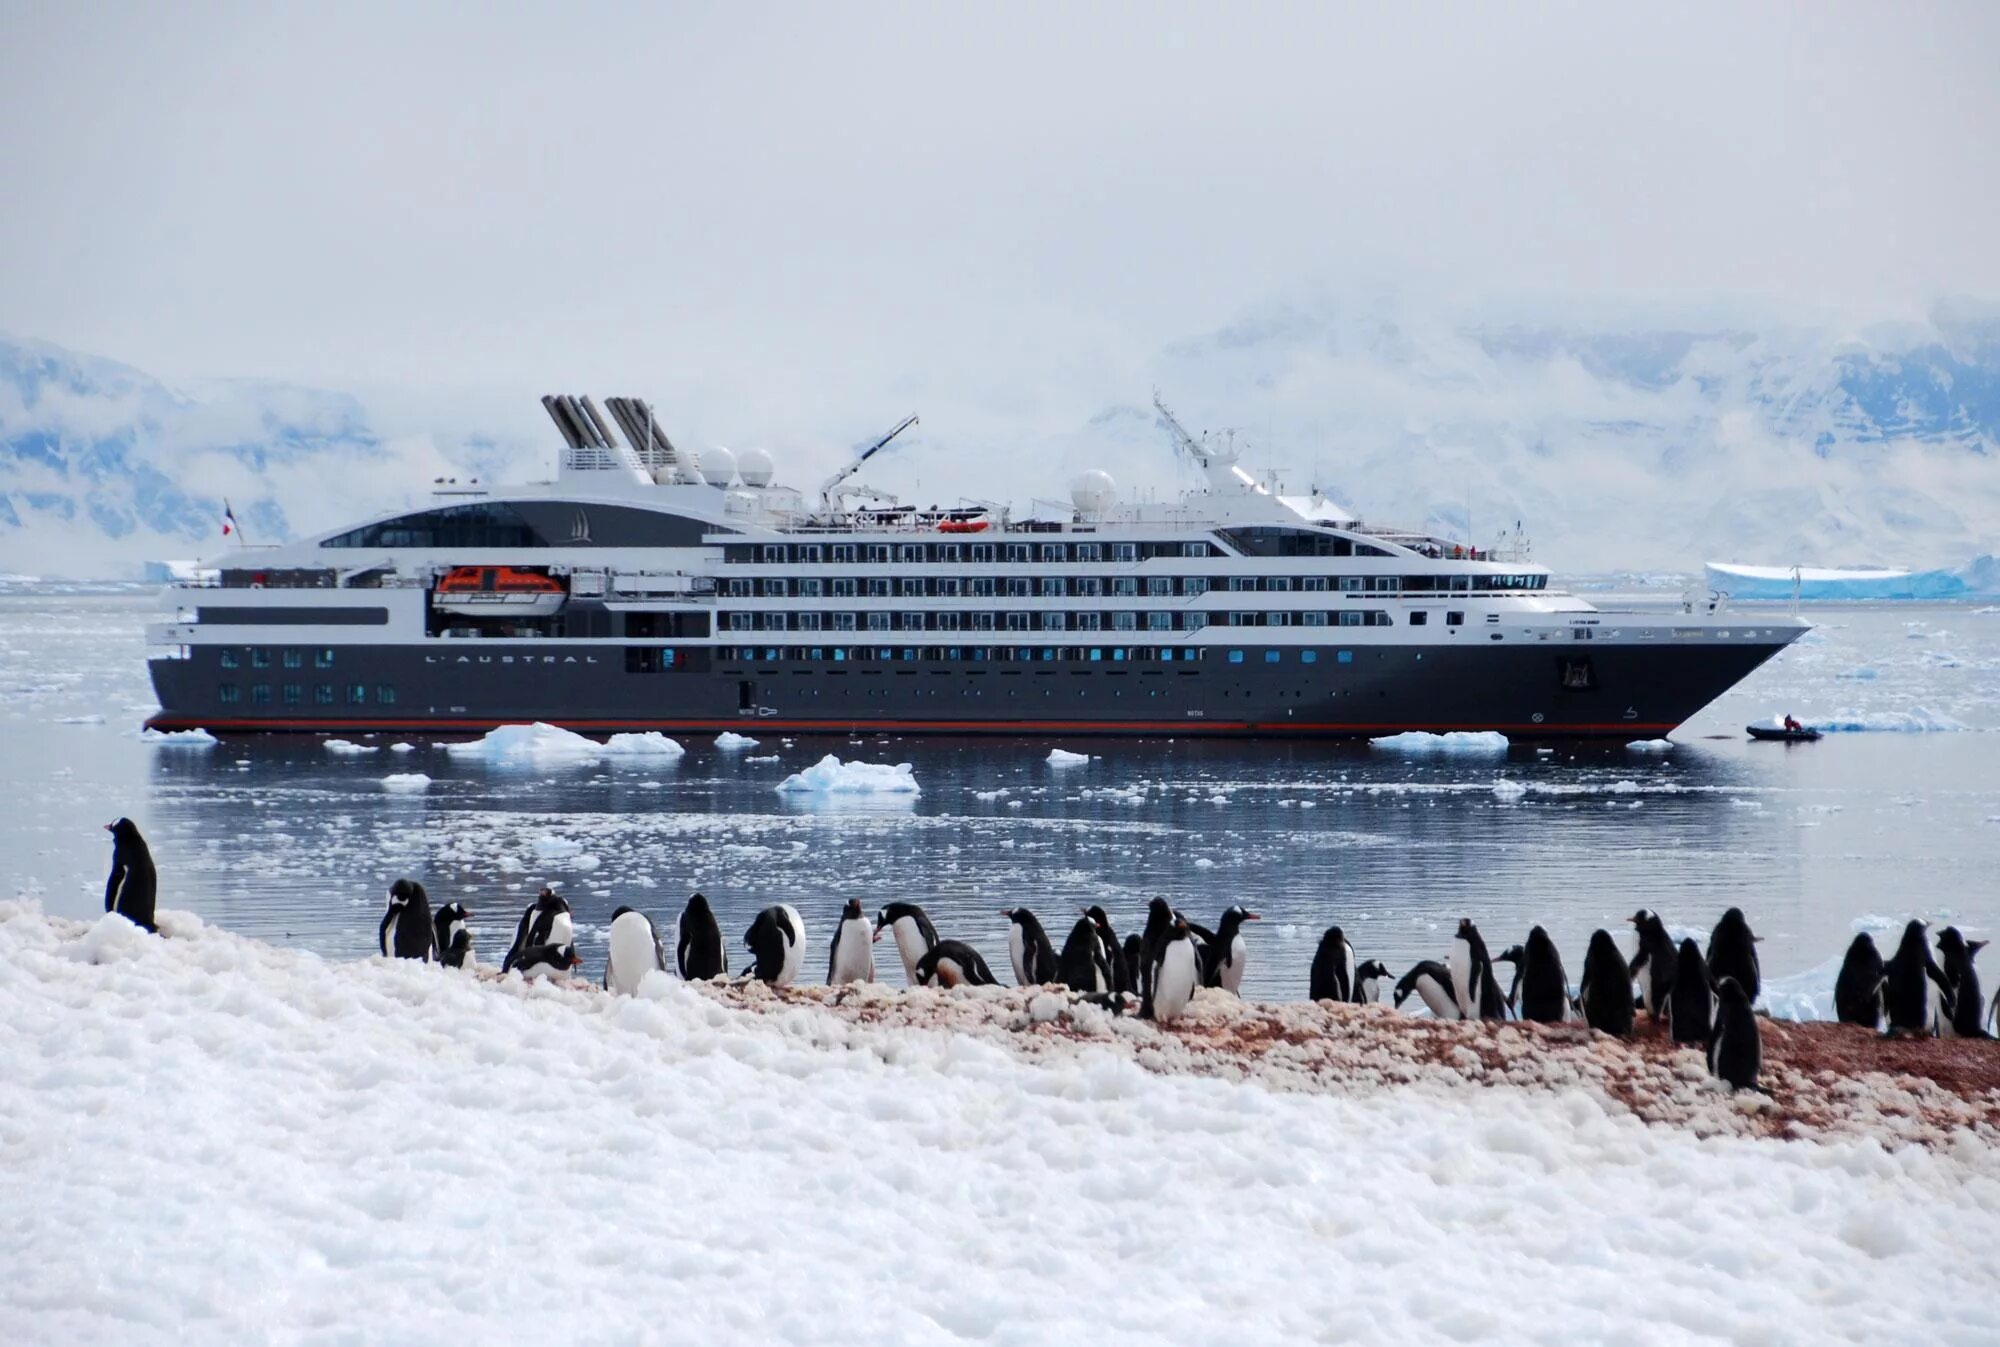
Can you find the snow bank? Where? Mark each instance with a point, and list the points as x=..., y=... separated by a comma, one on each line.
x=1458, y=741
x=651, y=744
x=379, y=1111
x=831, y=776
x=729, y=741
x=343, y=748
x=406, y=781
x=1062, y=757
x=1650, y=746
x=178, y=738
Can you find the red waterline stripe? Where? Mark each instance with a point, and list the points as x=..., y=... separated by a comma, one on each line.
x=1273, y=727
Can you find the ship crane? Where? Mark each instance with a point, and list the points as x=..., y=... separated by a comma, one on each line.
x=1217, y=462
x=832, y=484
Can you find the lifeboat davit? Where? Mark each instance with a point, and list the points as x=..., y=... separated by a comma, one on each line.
x=499, y=591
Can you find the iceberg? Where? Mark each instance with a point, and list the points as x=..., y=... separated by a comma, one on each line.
x=1650, y=746
x=1457, y=741
x=1062, y=757
x=178, y=738
x=831, y=776
x=406, y=781
x=651, y=744
x=345, y=748
x=730, y=741
x=536, y=743
x=1825, y=585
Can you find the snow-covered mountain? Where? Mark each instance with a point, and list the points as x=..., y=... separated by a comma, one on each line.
x=1619, y=444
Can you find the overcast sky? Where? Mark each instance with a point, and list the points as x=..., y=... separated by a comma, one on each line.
x=832, y=204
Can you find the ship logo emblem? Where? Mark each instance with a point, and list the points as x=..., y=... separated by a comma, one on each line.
x=579, y=529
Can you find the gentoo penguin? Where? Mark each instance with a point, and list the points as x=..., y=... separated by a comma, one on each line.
x=406, y=931
x=1857, y=992
x=1968, y=1003
x=1160, y=921
x=1915, y=991
x=1176, y=973
x=1368, y=979
x=698, y=952
x=1544, y=982
x=1227, y=956
x=1606, y=992
x=545, y=939
x=1735, y=1053
x=1028, y=946
x=777, y=940
x=1122, y=974
x=1134, y=944
x=1472, y=976
x=1517, y=956
x=1083, y=967
x=915, y=936
x=851, y=957
x=951, y=962
x=134, y=885
x=1652, y=967
x=1691, y=1002
x=1432, y=981
x=634, y=951
x=1732, y=953
x=454, y=936
x=1332, y=968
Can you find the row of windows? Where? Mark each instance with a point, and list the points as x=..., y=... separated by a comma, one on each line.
x=1005, y=654
x=1125, y=620
x=878, y=554
x=1118, y=586
x=291, y=657
x=294, y=694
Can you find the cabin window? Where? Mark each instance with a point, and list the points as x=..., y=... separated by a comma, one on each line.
x=293, y=694
x=1089, y=586
x=878, y=622
x=1159, y=622
x=1273, y=656
x=1125, y=587
x=1089, y=621
x=323, y=658
x=1277, y=584
x=1017, y=622
x=982, y=552
x=1055, y=621
x=1052, y=588
x=1090, y=551
x=809, y=621
x=294, y=658
x=1124, y=551
x=1277, y=619
x=878, y=588
x=1316, y=584
x=1419, y=618
x=1159, y=586
x=878, y=554
x=912, y=588
x=1236, y=657
x=775, y=589
x=228, y=693
x=843, y=552
x=913, y=552
x=771, y=621
x=774, y=554
x=1019, y=552
x=843, y=622
x=810, y=589
x=1193, y=621
x=1195, y=584
x=1194, y=549
x=1454, y=619
x=1018, y=588
x=260, y=694
x=1052, y=552
x=1316, y=618
x=229, y=660
x=385, y=693
x=260, y=658
x=1345, y=657
x=323, y=694
x=357, y=694
x=1126, y=621
x=1308, y=656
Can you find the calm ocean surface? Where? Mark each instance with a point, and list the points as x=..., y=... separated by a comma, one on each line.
x=1897, y=814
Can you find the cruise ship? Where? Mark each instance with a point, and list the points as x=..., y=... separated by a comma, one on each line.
x=647, y=588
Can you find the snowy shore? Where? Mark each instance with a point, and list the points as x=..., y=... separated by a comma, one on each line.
x=210, y=1138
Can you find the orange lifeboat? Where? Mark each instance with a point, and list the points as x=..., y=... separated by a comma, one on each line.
x=499, y=591
x=963, y=526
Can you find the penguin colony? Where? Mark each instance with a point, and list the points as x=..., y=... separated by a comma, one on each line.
x=1700, y=997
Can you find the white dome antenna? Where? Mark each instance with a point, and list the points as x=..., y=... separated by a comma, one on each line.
x=755, y=467
x=1093, y=492
x=718, y=465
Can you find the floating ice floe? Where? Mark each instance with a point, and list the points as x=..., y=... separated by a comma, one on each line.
x=542, y=743
x=831, y=776
x=402, y=748
x=651, y=744
x=80, y=720
x=344, y=748
x=1457, y=741
x=764, y=757
x=178, y=738
x=406, y=781
x=1062, y=757
x=1916, y=720
x=1650, y=746
x=730, y=740
x=1509, y=790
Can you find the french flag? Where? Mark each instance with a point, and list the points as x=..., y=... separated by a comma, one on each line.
x=228, y=519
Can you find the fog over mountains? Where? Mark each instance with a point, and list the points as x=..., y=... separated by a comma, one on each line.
x=1619, y=444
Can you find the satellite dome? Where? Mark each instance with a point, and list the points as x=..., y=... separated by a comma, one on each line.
x=1093, y=492
x=718, y=466
x=754, y=466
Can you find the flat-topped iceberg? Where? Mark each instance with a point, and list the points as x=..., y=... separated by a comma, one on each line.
x=651, y=744
x=406, y=781
x=346, y=748
x=1062, y=757
x=178, y=738
x=831, y=776
x=544, y=743
x=1828, y=584
x=1457, y=741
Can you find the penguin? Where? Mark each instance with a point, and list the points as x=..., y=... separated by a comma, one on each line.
x=1134, y=943
x=406, y=931
x=1176, y=972
x=1691, y=1003
x=1517, y=956
x=134, y=885
x=851, y=956
x=1028, y=947
x=1083, y=967
x=698, y=950
x=1368, y=979
x=1857, y=992
x=1227, y=956
x=915, y=936
x=1431, y=981
x=1472, y=976
x=1160, y=921
x=1544, y=983
x=1114, y=950
x=1735, y=1053
x=545, y=939
x=1915, y=991
x=453, y=935
x=951, y=962
x=1653, y=965
x=1333, y=972
x=1968, y=1003
x=1606, y=992
x=776, y=940
x=1732, y=953
x=634, y=951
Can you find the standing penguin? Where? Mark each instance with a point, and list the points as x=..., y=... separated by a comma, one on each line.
x=1122, y=974
x=1028, y=946
x=1133, y=946
x=1176, y=972
x=1227, y=957
x=851, y=957
x=1369, y=976
x=1735, y=1052
x=698, y=950
x=915, y=936
x=454, y=936
x=545, y=939
x=1857, y=992
x=1606, y=992
x=1518, y=957
x=1431, y=981
x=406, y=931
x=776, y=940
x=1691, y=1003
x=1915, y=992
x=134, y=885
x=1653, y=966
x=1732, y=953
x=634, y=951
x=951, y=962
x=1332, y=968
x=1544, y=982
x=1968, y=1003
x=1472, y=976
x=1160, y=920
x=1083, y=966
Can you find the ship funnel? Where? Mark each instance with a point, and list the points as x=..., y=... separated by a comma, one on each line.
x=559, y=414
